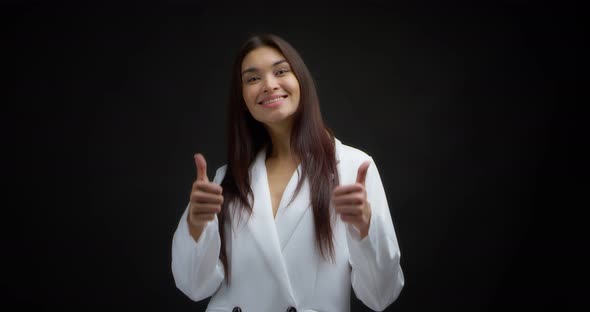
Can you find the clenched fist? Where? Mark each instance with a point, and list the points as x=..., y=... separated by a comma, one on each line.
x=205, y=199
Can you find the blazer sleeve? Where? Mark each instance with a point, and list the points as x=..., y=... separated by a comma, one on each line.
x=377, y=278
x=196, y=267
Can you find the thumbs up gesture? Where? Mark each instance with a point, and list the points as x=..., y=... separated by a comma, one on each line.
x=205, y=199
x=350, y=201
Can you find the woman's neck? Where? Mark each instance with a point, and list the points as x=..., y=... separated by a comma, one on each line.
x=280, y=136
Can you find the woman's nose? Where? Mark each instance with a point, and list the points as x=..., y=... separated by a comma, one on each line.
x=270, y=84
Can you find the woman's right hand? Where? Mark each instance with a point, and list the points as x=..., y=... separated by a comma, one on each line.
x=205, y=199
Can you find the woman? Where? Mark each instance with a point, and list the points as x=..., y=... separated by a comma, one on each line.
x=295, y=217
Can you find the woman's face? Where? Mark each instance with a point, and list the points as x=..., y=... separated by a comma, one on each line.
x=269, y=86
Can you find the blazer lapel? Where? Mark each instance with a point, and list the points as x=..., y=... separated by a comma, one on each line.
x=290, y=212
x=289, y=216
x=262, y=224
x=270, y=235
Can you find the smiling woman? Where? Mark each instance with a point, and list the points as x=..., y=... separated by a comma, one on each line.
x=295, y=217
x=271, y=90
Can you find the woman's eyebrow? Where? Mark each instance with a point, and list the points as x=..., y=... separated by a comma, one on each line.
x=254, y=69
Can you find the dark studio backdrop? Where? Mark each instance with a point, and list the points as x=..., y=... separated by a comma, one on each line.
x=457, y=104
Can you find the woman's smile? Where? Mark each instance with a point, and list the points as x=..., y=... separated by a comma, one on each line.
x=273, y=101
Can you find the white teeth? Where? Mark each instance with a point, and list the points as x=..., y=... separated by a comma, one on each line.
x=273, y=100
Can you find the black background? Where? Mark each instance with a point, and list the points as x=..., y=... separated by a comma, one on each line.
x=460, y=106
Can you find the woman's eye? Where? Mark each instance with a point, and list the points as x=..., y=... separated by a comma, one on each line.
x=281, y=71
x=252, y=79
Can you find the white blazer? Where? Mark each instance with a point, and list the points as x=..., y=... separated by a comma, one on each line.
x=275, y=262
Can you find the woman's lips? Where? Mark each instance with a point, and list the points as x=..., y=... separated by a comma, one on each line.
x=273, y=102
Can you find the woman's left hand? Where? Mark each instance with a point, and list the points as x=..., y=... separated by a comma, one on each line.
x=350, y=201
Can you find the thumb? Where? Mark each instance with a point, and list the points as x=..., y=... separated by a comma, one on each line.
x=362, y=172
x=201, y=167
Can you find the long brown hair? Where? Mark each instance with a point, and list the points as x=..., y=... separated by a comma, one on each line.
x=311, y=140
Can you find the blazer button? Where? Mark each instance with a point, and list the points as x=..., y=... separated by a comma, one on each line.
x=237, y=309
x=291, y=309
